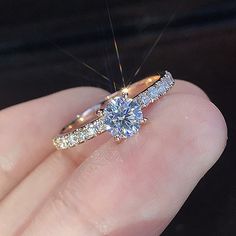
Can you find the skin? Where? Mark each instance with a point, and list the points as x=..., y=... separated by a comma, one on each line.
x=101, y=187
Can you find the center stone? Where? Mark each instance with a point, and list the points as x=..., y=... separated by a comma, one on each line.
x=122, y=117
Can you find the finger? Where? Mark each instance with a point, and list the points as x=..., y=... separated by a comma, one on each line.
x=27, y=129
x=23, y=203
x=31, y=132
x=137, y=187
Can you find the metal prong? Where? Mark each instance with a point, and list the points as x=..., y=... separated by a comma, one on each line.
x=117, y=139
x=125, y=92
x=144, y=120
x=99, y=112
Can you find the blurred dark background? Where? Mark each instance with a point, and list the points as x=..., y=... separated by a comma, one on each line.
x=42, y=44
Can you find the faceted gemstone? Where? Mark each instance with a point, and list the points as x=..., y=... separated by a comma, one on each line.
x=99, y=125
x=153, y=92
x=161, y=86
x=81, y=135
x=168, y=78
x=62, y=142
x=165, y=84
x=90, y=131
x=145, y=99
x=73, y=139
x=123, y=117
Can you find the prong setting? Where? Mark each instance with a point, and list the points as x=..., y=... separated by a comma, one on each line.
x=125, y=93
x=99, y=113
x=144, y=120
x=117, y=139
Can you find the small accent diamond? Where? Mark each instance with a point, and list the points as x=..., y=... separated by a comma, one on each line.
x=73, y=138
x=144, y=99
x=62, y=142
x=153, y=92
x=168, y=78
x=161, y=88
x=99, y=126
x=89, y=131
x=81, y=135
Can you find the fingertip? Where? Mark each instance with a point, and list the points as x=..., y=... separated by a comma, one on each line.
x=215, y=138
x=186, y=87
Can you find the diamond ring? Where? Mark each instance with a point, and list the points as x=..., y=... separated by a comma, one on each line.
x=121, y=113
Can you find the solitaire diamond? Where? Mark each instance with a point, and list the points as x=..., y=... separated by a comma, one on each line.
x=122, y=117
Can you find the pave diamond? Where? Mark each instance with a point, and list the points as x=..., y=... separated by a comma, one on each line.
x=61, y=142
x=99, y=125
x=90, y=131
x=161, y=87
x=168, y=78
x=122, y=117
x=73, y=138
x=143, y=99
x=153, y=92
x=81, y=135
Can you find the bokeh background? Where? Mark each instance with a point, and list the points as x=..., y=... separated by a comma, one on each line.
x=42, y=44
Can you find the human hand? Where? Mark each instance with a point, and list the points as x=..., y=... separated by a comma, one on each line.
x=100, y=187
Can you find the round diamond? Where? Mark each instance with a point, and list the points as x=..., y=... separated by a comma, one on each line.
x=122, y=117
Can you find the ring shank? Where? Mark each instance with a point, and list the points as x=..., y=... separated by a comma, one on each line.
x=91, y=114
